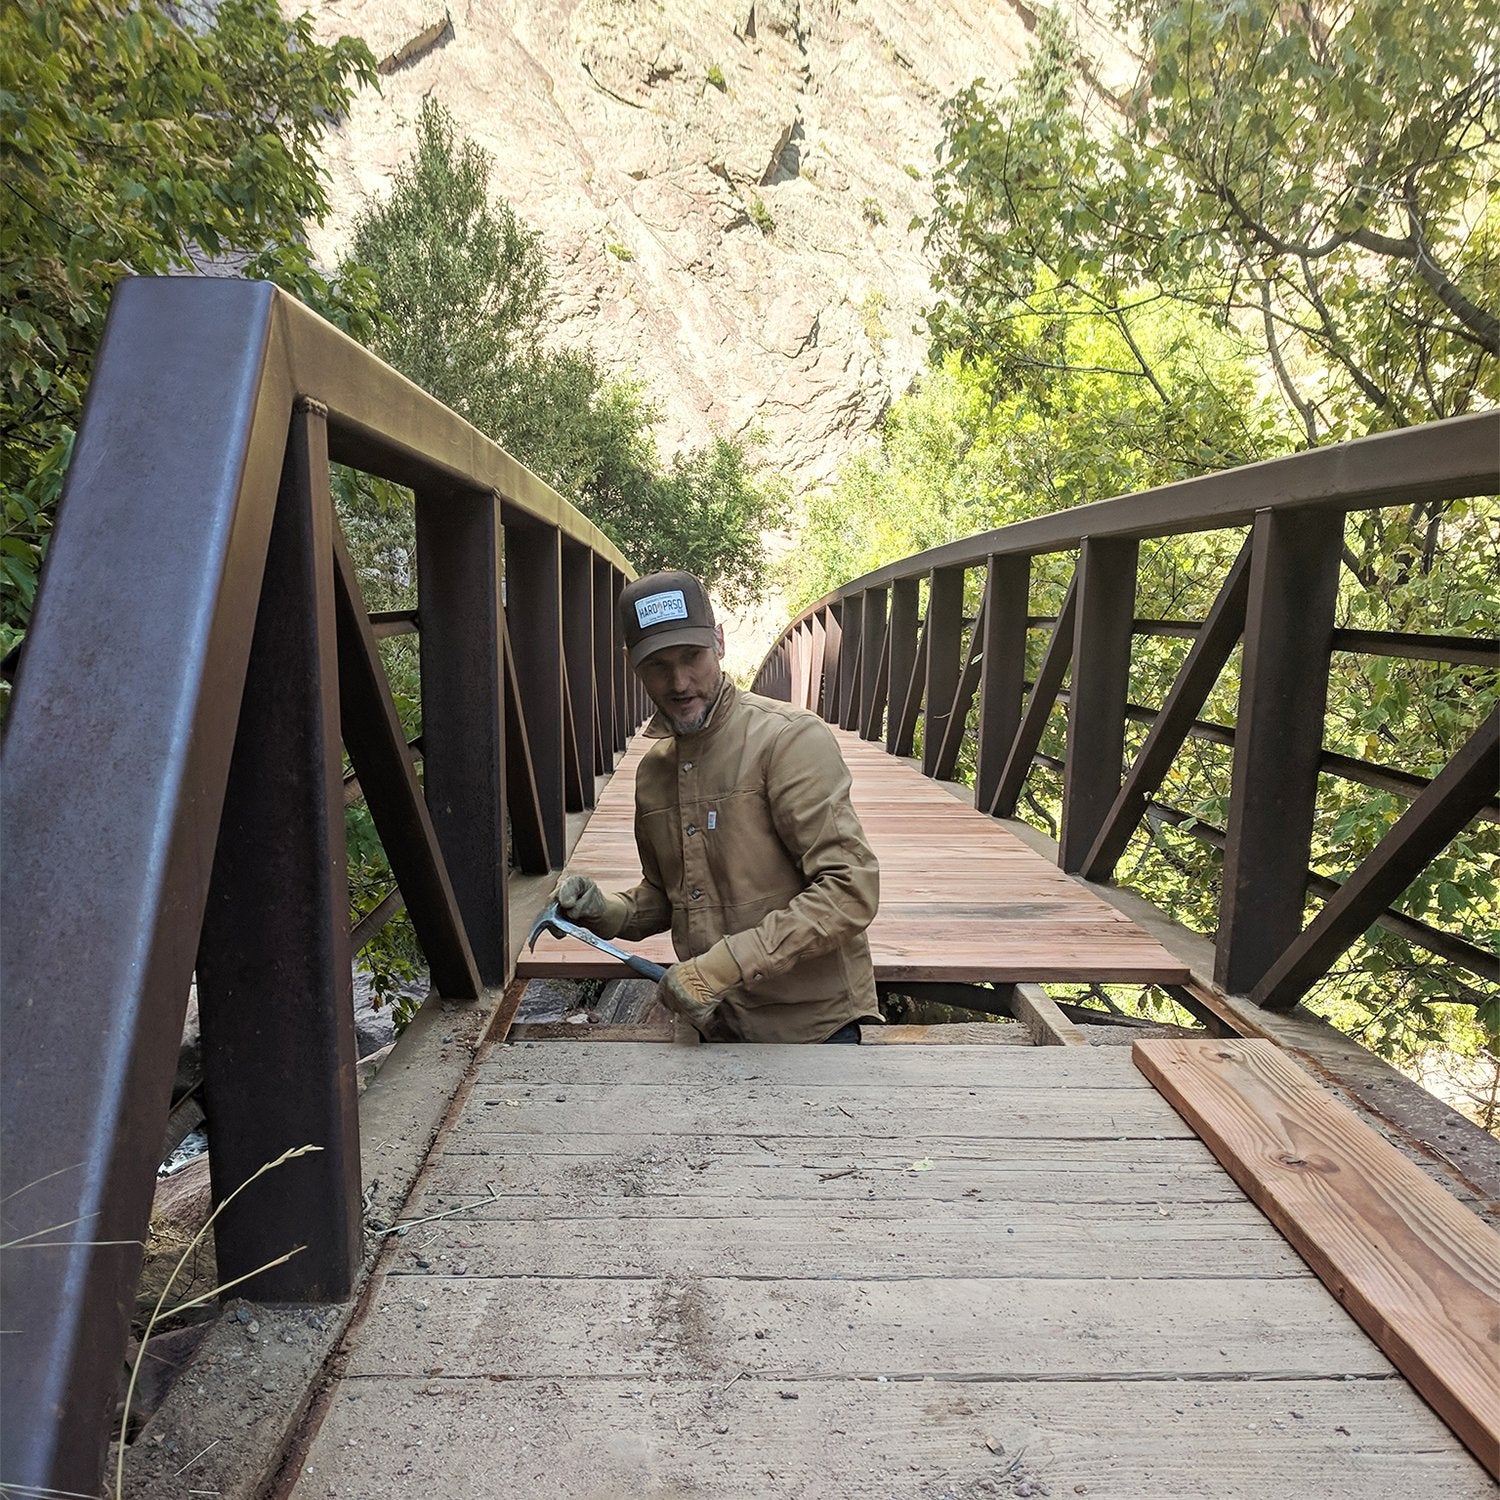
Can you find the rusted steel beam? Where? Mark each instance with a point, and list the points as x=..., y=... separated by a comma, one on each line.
x=388, y=622
x=459, y=571
x=377, y=750
x=873, y=660
x=578, y=654
x=619, y=666
x=1101, y=683
x=1420, y=934
x=1039, y=703
x=851, y=617
x=874, y=728
x=819, y=684
x=533, y=599
x=274, y=987
x=604, y=677
x=835, y=655
x=1002, y=689
x=1200, y=670
x=528, y=828
x=1438, y=815
x=850, y=709
x=1455, y=650
x=963, y=700
x=902, y=735
x=944, y=631
x=1448, y=460
x=375, y=919
x=110, y=829
x=1278, y=742
x=572, y=764
x=904, y=655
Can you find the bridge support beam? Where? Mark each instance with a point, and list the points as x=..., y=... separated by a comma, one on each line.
x=1101, y=684
x=459, y=567
x=1278, y=742
x=273, y=960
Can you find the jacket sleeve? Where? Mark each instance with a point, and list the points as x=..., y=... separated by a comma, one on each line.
x=807, y=787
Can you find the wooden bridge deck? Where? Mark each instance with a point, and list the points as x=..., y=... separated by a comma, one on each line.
x=961, y=898
x=914, y=1273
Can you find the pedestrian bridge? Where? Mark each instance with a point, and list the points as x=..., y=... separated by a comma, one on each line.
x=1013, y=1256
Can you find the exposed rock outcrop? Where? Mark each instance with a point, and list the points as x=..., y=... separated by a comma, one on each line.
x=726, y=190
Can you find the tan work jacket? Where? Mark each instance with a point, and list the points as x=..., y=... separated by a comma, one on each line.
x=746, y=832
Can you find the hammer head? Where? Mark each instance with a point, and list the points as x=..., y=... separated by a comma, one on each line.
x=549, y=921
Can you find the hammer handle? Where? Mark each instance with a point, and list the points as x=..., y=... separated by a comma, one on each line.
x=643, y=966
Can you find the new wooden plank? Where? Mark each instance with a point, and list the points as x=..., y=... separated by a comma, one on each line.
x=747, y=1438
x=958, y=1034
x=962, y=898
x=1419, y=1271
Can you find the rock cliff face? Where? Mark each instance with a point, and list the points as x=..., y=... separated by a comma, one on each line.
x=725, y=189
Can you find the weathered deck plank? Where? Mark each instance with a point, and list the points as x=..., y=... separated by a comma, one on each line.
x=602, y=1439
x=821, y=1272
x=961, y=898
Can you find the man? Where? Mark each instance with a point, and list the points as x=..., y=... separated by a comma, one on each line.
x=750, y=850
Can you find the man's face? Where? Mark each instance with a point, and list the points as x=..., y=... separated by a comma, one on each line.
x=683, y=682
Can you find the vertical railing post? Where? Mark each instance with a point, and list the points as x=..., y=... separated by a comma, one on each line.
x=903, y=653
x=578, y=653
x=605, y=652
x=872, y=637
x=851, y=653
x=619, y=665
x=1278, y=740
x=1002, y=681
x=836, y=654
x=273, y=964
x=816, y=662
x=533, y=610
x=1101, y=689
x=945, y=623
x=459, y=568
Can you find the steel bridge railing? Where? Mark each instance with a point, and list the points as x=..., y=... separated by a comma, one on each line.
x=173, y=801
x=873, y=657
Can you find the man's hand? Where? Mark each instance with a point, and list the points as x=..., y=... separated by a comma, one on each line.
x=692, y=988
x=580, y=900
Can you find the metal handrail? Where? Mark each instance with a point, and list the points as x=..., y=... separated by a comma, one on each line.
x=868, y=657
x=173, y=801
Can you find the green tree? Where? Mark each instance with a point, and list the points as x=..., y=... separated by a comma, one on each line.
x=463, y=289
x=1284, y=236
x=133, y=143
x=1316, y=180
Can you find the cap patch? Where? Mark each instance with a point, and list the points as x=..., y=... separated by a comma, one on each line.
x=660, y=607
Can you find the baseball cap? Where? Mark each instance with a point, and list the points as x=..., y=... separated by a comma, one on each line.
x=665, y=609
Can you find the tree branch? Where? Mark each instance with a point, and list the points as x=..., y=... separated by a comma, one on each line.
x=1283, y=375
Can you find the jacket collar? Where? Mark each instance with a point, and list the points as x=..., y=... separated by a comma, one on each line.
x=658, y=728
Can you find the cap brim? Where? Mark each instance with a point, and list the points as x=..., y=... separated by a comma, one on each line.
x=662, y=640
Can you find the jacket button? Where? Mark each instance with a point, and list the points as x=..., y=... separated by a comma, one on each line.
x=687, y=765
x=696, y=894
x=691, y=830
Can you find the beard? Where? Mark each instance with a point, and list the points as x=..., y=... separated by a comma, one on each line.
x=692, y=725
x=695, y=722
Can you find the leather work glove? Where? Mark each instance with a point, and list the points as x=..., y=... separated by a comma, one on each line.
x=580, y=900
x=691, y=989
